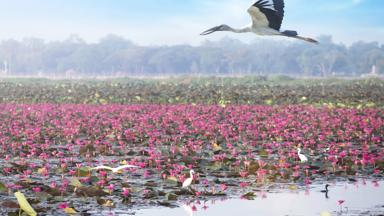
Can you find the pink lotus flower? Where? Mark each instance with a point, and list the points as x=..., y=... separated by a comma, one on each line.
x=223, y=187
x=72, y=172
x=111, y=187
x=53, y=185
x=243, y=184
x=243, y=174
x=125, y=192
x=36, y=189
x=63, y=205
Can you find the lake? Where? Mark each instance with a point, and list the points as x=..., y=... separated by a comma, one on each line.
x=365, y=197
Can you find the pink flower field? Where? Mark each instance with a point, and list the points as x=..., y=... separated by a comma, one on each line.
x=47, y=151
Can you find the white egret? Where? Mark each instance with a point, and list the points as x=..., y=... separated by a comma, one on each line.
x=114, y=170
x=187, y=182
x=302, y=157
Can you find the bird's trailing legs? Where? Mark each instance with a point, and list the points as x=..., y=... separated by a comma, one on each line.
x=293, y=34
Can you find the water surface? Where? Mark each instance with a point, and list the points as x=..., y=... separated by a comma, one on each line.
x=365, y=197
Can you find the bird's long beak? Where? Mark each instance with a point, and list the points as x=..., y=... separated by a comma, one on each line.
x=211, y=30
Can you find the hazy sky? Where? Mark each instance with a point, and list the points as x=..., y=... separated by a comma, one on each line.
x=156, y=22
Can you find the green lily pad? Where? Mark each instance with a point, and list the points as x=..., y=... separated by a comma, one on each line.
x=170, y=196
x=3, y=188
x=249, y=196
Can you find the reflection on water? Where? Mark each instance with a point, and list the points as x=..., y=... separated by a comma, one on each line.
x=360, y=198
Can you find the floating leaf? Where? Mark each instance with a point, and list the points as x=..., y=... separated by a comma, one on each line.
x=166, y=204
x=109, y=204
x=84, y=172
x=42, y=170
x=269, y=102
x=172, y=179
x=103, y=101
x=75, y=182
x=70, y=211
x=263, y=153
x=24, y=204
x=54, y=192
x=150, y=184
x=91, y=192
x=10, y=204
x=325, y=213
x=106, y=203
x=249, y=196
x=111, y=136
x=216, y=147
x=171, y=196
x=3, y=188
x=87, y=149
x=370, y=105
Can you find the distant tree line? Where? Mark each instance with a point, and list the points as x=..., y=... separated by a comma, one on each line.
x=116, y=56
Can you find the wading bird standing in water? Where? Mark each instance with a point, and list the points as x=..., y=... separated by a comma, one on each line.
x=267, y=16
x=187, y=182
x=325, y=191
x=302, y=157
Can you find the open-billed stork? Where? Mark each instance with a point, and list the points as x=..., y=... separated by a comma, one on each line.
x=267, y=16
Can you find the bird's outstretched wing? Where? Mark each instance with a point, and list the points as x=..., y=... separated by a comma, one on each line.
x=102, y=167
x=114, y=169
x=267, y=13
x=125, y=167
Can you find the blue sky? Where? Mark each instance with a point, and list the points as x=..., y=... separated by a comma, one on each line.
x=158, y=22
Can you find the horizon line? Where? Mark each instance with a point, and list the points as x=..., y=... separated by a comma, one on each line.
x=201, y=43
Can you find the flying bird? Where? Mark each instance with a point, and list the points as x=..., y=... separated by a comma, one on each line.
x=267, y=17
x=114, y=170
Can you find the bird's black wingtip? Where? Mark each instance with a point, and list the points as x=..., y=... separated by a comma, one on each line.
x=310, y=40
x=313, y=41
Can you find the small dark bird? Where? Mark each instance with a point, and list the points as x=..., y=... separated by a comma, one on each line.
x=267, y=17
x=325, y=191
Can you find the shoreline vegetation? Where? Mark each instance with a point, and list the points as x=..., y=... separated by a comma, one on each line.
x=252, y=90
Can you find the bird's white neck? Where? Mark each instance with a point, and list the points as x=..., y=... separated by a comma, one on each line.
x=242, y=30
